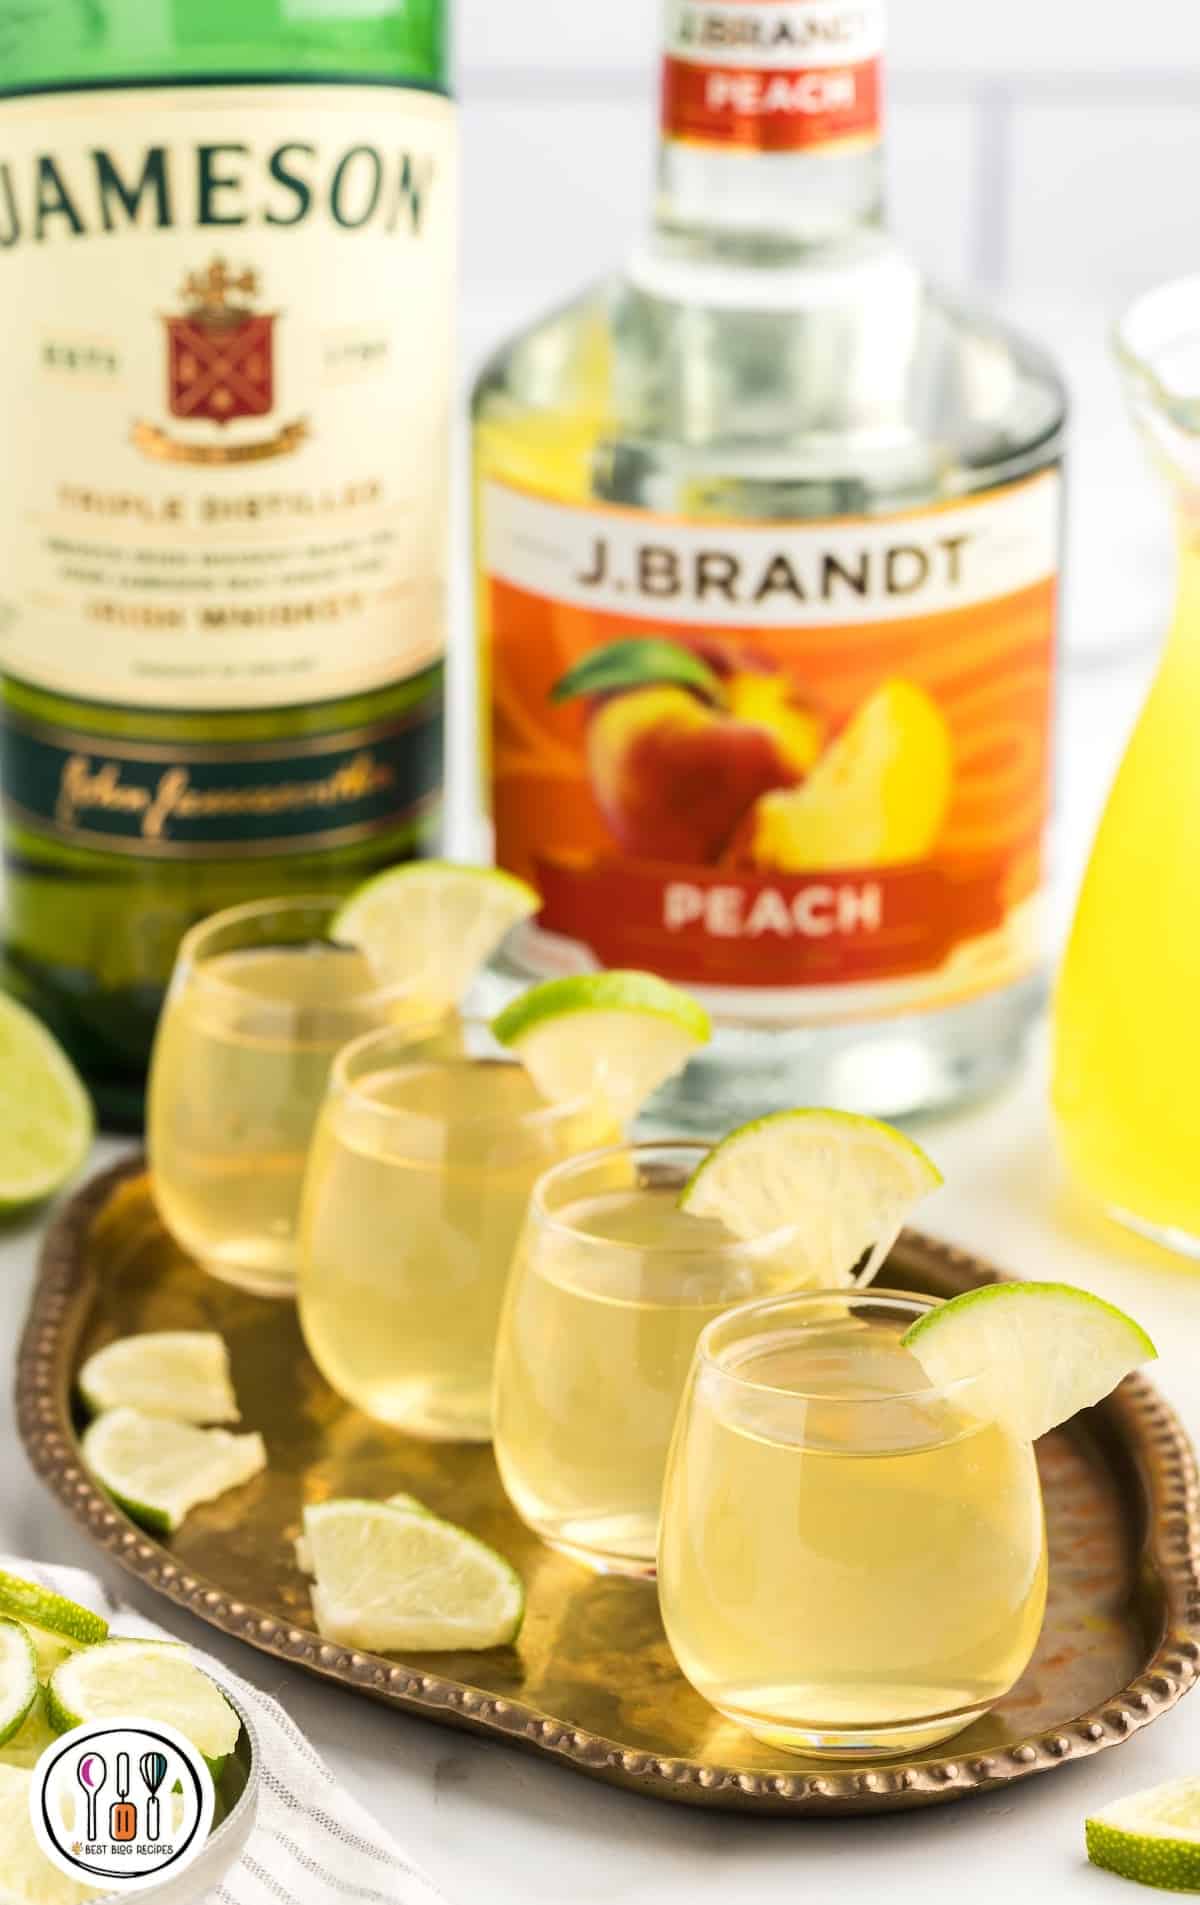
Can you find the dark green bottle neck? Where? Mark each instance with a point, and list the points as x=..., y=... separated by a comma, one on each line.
x=66, y=43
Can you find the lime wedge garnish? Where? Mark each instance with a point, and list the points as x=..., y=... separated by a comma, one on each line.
x=26, y=1874
x=845, y=1184
x=18, y=1678
x=432, y=925
x=31, y=1739
x=612, y=1035
x=181, y=1374
x=150, y=1678
x=49, y=1614
x=304, y=1560
x=392, y=1581
x=46, y=1119
x=1038, y=1351
x=1153, y=1837
x=158, y=1470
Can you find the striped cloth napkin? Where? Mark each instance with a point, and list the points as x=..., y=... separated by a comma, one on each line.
x=313, y=1844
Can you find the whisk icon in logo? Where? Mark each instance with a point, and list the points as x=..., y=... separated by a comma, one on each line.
x=125, y=1801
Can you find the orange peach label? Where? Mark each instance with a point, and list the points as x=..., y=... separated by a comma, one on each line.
x=808, y=757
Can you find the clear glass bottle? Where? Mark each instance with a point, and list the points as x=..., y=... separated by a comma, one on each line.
x=768, y=550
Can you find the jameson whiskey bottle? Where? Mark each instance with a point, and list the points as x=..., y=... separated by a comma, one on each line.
x=768, y=553
x=227, y=233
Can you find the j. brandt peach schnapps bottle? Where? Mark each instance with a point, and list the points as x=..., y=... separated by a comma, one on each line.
x=768, y=544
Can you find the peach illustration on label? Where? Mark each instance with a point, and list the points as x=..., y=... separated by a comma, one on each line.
x=684, y=739
x=878, y=797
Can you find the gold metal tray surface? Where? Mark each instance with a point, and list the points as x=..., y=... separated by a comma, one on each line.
x=591, y=1682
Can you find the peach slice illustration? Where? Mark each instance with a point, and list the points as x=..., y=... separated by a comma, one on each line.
x=877, y=797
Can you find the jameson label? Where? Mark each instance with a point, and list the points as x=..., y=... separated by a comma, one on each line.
x=805, y=761
x=225, y=381
x=774, y=75
x=163, y=801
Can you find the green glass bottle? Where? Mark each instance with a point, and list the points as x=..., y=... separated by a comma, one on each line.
x=227, y=250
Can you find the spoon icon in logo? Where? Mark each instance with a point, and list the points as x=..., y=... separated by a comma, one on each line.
x=91, y=1772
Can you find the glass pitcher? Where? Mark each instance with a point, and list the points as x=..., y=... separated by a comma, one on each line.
x=1127, y=1020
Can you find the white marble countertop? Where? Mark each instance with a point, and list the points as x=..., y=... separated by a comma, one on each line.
x=491, y=1823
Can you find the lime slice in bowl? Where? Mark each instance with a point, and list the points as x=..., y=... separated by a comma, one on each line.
x=46, y=1118
x=433, y=925
x=29, y=1742
x=49, y=1616
x=151, y=1679
x=614, y=1035
x=1152, y=1837
x=26, y=1874
x=157, y=1470
x=844, y=1184
x=18, y=1678
x=180, y=1374
x=393, y=1581
x=1037, y=1352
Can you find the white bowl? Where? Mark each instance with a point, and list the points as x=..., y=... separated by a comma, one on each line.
x=225, y=1846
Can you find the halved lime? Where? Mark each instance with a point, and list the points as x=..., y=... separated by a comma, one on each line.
x=434, y=925
x=409, y=1502
x=46, y=1117
x=31, y=1739
x=26, y=1874
x=614, y=1035
x=18, y=1678
x=1038, y=1352
x=180, y=1374
x=845, y=1184
x=1153, y=1837
x=392, y=1581
x=151, y=1679
x=157, y=1470
x=49, y=1616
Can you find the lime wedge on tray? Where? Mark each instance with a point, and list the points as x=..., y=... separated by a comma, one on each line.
x=409, y=1502
x=46, y=1118
x=157, y=1470
x=18, y=1678
x=390, y=1580
x=847, y=1184
x=619, y=1035
x=1153, y=1837
x=180, y=1374
x=26, y=1874
x=433, y=924
x=1039, y=1352
x=150, y=1678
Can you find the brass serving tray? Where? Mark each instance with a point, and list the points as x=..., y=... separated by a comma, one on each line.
x=591, y=1682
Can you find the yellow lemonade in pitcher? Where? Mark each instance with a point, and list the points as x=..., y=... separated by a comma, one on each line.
x=848, y=1558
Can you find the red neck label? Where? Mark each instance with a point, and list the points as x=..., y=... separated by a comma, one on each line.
x=774, y=75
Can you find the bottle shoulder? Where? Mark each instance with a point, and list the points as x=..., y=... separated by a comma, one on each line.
x=880, y=393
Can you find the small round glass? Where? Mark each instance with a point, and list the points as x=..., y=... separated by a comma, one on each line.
x=261, y=1000
x=852, y=1561
x=610, y=1288
x=418, y=1179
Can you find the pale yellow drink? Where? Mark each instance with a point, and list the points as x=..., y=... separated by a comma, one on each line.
x=260, y=1003
x=611, y=1286
x=419, y=1178
x=851, y=1562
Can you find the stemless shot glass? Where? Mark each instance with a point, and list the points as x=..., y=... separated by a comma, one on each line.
x=611, y=1285
x=852, y=1562
x=261, y=1000
x=420, y=1172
